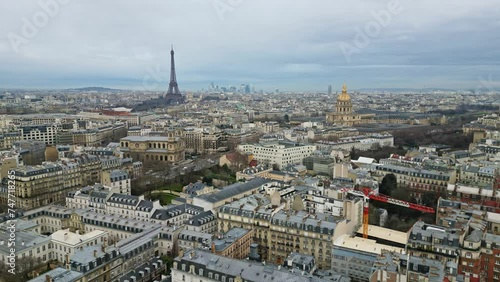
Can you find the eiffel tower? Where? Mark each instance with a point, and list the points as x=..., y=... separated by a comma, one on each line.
x=173, y=96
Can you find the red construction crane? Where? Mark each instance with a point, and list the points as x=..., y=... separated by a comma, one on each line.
x=369, y=194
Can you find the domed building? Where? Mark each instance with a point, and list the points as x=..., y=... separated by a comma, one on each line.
x=343, y=114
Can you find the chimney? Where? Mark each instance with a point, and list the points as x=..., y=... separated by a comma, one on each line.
x=95, y=253
x=48, y=278
x=103, y=248
x=67, y=258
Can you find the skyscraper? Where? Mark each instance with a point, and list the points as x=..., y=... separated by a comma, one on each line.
x=329, y=89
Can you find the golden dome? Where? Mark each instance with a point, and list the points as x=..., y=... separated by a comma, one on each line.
x=344, y=96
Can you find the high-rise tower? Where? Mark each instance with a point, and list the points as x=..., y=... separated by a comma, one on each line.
x=173, y=96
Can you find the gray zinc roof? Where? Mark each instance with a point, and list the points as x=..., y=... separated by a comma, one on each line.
x=235, y=189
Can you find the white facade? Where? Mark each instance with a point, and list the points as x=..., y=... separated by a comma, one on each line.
x=28, y=244
x=117, y=181
x=48, y=136
x=66, y=242
x=78, y=201
x=278, y=154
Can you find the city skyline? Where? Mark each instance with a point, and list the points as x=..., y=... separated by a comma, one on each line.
x=406, y=45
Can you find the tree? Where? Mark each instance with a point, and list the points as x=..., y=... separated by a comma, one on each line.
x=429, y=199
x=239, y=161
x=374, y=215
x=286, y=118
x=168, y=261
x=388, y=185
x=354, y=154
x=207, y=180
x=401, y=194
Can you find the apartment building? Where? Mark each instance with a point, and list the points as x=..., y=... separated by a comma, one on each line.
x=135, y=257
x=490, y=257
x=93, y=197
x=193, y=137
x=188, y=239
x=50, y=182
x=278, y=232
x=235, y=243
x=123, y=205
x=361, y=142
x=479, y=250
x=197, y=265
x=306, y=234
x=99, y=135
x=175, y=215
x=28, y=245
x=355, y=256
x=41, y=185
x=65, y=242
x=117, y=180
x=45, y=133
x=204, y=222
x=7, y=139
x=314, y=202
x=390, y=267
x=251, y=212
x=280, y=153
x=419, y=180
x=31, y=151
x=436, y=243
x=229, y=194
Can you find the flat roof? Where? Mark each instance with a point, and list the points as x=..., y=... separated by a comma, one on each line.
x=70, y=238
x=386, y=234
x=145, y=138
x=364, y=245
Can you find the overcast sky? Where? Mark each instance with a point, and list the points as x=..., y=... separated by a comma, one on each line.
x=288, y=44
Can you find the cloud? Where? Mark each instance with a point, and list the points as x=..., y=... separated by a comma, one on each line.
x=280, y=43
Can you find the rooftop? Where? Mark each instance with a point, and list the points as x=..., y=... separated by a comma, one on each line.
x=74, y=239
x=59, y=274
x=364, y=245
x=247, y=270
x=385, y=234
x=234, y=189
